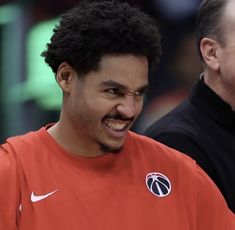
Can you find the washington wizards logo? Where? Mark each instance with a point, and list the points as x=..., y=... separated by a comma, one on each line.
x=158, y=184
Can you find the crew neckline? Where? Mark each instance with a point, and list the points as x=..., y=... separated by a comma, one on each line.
x=101, y=162
x=213, y=105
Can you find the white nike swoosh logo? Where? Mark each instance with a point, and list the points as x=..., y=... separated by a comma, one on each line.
x=35, y=198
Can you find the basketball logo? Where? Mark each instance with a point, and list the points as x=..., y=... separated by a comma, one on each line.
x=158, y=184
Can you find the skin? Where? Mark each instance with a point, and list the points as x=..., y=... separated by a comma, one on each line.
x=96, y=115
x=219, y=71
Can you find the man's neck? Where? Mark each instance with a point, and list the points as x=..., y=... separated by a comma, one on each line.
x=76, y=144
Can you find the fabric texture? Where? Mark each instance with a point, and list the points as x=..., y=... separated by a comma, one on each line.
x=147, y=185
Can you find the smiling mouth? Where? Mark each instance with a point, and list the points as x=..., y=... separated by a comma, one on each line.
x=116, y=126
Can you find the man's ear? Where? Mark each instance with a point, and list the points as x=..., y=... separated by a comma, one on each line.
x=209, y=50
x=64, y=76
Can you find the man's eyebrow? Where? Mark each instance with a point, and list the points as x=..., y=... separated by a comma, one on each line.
x=145, y=87
x=111, y=83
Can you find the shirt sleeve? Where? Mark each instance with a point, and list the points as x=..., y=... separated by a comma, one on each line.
x=9, y=191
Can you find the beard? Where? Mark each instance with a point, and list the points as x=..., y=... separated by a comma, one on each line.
x=107, y=149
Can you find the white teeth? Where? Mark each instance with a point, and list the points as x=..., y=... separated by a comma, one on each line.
x=115, y=126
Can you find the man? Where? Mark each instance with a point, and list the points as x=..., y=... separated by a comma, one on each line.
x=87, y=171
x=203, y=126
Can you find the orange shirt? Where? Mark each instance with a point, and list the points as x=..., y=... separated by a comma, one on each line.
x=145, y=186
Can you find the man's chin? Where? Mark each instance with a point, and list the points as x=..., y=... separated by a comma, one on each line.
x=110, y=149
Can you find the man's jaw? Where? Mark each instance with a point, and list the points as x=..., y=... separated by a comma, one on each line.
x=116, y=128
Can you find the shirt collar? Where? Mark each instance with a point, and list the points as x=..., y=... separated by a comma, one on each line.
x=213, y=105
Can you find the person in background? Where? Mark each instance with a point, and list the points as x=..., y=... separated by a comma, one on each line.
x=87, y=170
x=203, y=125
x=179, y=73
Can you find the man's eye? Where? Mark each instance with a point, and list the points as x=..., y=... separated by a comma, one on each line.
x=115, y=91
x=141, y=92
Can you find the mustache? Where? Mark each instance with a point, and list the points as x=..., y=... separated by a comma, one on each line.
x=119, y=117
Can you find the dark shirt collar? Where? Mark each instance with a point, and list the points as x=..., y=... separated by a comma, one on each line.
x=207, y=100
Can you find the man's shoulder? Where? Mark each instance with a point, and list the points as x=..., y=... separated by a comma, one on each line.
x=142, y=141
x=158, y=151
x=28, y=138
x=21, y=143
x=11, y=148
x=180, y=168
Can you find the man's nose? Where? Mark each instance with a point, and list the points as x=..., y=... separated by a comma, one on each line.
x=128, y=107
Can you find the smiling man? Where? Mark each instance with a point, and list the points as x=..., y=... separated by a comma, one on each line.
x=99, y=109
x=87, y=170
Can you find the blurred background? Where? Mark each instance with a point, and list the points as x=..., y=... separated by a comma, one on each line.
x=29, y=96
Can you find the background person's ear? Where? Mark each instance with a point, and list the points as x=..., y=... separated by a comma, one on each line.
x=209, y=50
x=64, y=76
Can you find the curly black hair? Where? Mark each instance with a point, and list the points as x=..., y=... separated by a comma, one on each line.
x=93, y=29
